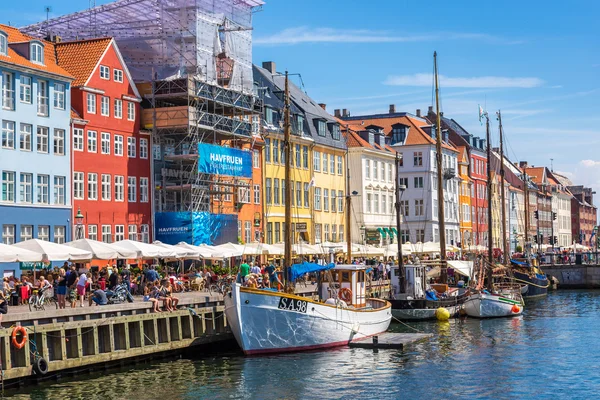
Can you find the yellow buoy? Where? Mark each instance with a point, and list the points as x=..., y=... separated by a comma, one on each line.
x=442, y=314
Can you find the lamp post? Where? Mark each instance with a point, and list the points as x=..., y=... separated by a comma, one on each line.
x=79, y=225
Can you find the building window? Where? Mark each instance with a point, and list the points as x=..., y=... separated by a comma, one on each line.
x=43, y=232
x=26, y=232
x=92, y=142
x=43, y=183
x=317, y=199
x=336, y=132
x=59, y=142
x=418, y=159
x=299, y=194
x=317, y=161
x=132, y=232
x=384, y=204
x=118, y=112
x=382, y=171
x=3, y=44
x=91, y=103
x=118, y=145
x=332, y=164
x=78, y=185
x=268, y=190
x=420, y=233
x=42, y=139
x=8, y=186
x=145, y=233
x=106, y=234
x=131, y=189
x=42, y=98
x=282, y=151
x=37, y=53
x=59, y=234
x=419, y=207
x=26, y=188
x=318, y=228
x=119, y=188
x=119, y=233
x=130, y=111
x=277, y=232
x=398, y=134
x=269, y=232
x=59, y=96
x=334, y=233
x=276, y=191
x=275, y=151
x=340, y=165
x=105, y=143
x=8, y=135
x=404, y=208
x=333, y=201
x=118, y=75
x=255, y=158
x=326, y=232
x=368, y=169
x=144, y=148
x=341, y=233
x=306, y=195
x=247, y=231
x=92, y=186
x=78, y=139
x=106, y=187
x=144, y=190
x=104, y=72
x=305, y=157
x=8, y=93
x=418, y=181
x=25, y=89
x=326, y=163
x=322, y=128
x=131, y=150
x=340, y=201
x=8, y=234
x=59, y=190
x=256, y=194
x=93, y=232
x=104, y=106
x=268, y=150
x=326, y=200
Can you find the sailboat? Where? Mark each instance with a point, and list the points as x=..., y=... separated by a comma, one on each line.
x=265, y=321
x=409, y=295
x=502, y=297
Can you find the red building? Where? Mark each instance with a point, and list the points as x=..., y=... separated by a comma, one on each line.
x=583, y=214
x=111, y=157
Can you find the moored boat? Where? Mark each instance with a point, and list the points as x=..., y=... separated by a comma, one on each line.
x=535, y=279
x=488, y=305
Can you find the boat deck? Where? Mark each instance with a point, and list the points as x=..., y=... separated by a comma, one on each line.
x=390, y=340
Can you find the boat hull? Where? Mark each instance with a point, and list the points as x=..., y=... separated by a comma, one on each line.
x=422, y=310
x=484, y=305
x=271, y=322
x=536, y=287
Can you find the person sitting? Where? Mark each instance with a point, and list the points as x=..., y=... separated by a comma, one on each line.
x=99, y=297
x=169, y=293
x=163, y=295
x=151, y=296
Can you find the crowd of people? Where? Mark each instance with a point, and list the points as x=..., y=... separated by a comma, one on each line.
x=259, y=276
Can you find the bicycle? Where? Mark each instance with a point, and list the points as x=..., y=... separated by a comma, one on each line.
x=38, y=300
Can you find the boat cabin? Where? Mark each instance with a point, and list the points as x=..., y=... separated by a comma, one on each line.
x=416, y=279
x=349, y=282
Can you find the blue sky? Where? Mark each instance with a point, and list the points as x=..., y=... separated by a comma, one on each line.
x=537, y=61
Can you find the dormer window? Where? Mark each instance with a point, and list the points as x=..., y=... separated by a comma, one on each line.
x=399, y=132
x=336, y=132
x=321, y=128
x=37, y=52
x=3, y=44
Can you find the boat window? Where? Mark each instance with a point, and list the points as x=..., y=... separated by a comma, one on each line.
x=346, y=276
x=396, y=271
x=361, y=276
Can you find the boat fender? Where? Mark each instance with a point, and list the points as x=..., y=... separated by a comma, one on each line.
x=442, y=314
x=40, y=366
x=345, y=294
x=515, y=308
x=19, y=344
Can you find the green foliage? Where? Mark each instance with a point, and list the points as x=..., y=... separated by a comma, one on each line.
x=519, y=249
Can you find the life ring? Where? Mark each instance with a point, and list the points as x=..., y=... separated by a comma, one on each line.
x=15, y=332
x=40, y=366
x=345, y=294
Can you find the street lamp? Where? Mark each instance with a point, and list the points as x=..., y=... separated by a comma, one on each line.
x=79, y=225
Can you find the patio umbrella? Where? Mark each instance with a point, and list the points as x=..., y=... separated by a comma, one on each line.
x=101, y=250
x=54, y=252
x=179, y=252
x=143, y=250
x=15, y=254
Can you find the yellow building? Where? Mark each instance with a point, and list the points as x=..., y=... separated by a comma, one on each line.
x=496, y=211
x=317, y=147
x=464, y=199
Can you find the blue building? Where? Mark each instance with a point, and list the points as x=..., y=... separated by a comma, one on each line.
x=35, y=150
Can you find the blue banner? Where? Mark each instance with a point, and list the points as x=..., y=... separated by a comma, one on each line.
x=214, y=229
x=218, y=160
x=173, y=227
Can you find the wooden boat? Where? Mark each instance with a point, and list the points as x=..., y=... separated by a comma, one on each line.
x=532, y=276
x=487, y=305
x=265, y=321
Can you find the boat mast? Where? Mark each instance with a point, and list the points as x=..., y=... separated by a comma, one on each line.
x=526, y=194
x=440, y=178
x=505, y=248
x=288, y=178
x=348, y=207
x=398, y=222
x=489, y=200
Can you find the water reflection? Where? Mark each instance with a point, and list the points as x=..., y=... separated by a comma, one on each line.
x=550, y=351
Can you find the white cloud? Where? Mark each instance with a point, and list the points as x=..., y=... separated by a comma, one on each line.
x=305, y=34
x=589, y=163
x=465, y=82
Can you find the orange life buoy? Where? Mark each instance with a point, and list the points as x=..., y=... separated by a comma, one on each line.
x=345, y=294
x=15, y=332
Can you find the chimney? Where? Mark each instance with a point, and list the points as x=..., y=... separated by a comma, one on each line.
x=336, y=113
x=523, y=164
x=344, y=112
x=323, y=106
x=418, y=112
x=269, y=66
x=392, y=109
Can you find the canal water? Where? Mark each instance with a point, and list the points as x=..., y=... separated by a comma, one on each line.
x=551, y=351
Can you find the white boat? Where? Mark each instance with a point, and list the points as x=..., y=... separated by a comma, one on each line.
x=486, y=305
x=265, y=321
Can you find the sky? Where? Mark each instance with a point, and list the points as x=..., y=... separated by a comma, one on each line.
x=536, y=61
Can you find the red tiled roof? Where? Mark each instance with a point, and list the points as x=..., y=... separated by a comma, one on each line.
x=81, y=57
x=50, y=66
x=536, y=174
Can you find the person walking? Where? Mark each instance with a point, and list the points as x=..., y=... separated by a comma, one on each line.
x=81, y=287
x=61, y=288
x=126, y=277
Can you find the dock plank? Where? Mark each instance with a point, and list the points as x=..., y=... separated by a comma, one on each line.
x=390, y=340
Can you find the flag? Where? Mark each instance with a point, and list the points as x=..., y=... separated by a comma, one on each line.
x=481, y=114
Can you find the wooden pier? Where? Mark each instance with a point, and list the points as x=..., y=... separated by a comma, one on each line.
x=76, y=339
x=390, y=340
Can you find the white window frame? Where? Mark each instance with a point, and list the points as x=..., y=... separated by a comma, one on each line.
x=25, y=89
x=119, y=188
x=60, y=183
x=8, y=134
x=92, y=232
x=78, y=185
x=26, y=233
x=118, y=145
x=8, y=234
x=77, y=139
x=43, y=189
x=42, y=139
x=37, y=53
x=42, y=98
x=130, y=111
x=144, y=190
x=26, y=188
x=118, y=75
x=105, y=106
x=59, y=142
x=104, y=143
x=59, y=96
x=118, y=109
x=256, y=194
x=131, y=147
x=131, y=189
x=43, y=232
x=91, y=103
x=105, y=72
x=3, y=44
x=144, y=148
x=8, y=186
x=145, y=233
x=119, y=232
x=106, y=187
x=92, y=186
x=59, y=234
x=106, y=233
x=25, y=137
x=132, y=233
x=8, y=92
x=92, y=141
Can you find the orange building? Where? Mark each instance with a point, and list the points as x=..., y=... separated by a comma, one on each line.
x=465, y=209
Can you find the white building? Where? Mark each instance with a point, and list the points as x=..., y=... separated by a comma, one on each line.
x=561, y=205
x=414, y=138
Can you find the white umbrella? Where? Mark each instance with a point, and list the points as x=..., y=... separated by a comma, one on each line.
x=202, y=251
x=101, y=250
x=229, y=249
x=14, y=254
x=54, y=252
x=143, y=250
x=179, y=252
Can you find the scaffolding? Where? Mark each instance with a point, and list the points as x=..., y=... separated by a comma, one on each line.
x=192, y=63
